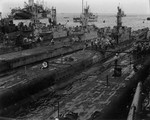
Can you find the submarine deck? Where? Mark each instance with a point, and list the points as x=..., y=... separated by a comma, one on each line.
x=28, y=73
x=90, y=93
x=87, y=94
x=34, y=51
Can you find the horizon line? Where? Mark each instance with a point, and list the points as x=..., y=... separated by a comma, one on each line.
x=104, y=13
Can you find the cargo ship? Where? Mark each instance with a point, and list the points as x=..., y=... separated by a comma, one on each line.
x=27, y=11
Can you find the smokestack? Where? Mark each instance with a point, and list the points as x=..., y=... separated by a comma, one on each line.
x=0, y=14
x=149, y=5
x=82, y=6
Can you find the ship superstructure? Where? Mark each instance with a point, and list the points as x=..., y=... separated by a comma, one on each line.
x=90, y=17
x=120, y=29
x=28, y=11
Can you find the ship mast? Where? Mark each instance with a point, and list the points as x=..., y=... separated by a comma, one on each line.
x=148, y=18
x=119, y=18
x=82, y=6
x=31, y=2
x=86, y=4
x=0, y=15
x=84, y=16
x=34, y=11
x=149, y=5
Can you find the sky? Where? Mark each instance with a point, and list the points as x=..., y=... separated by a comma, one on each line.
x=75, y=6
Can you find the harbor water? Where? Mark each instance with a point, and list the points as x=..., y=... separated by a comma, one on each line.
x=109, y=20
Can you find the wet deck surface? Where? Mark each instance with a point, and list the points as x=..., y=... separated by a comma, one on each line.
x=88, y=94
x=28, y=73
x=92, y=94
x=34, y=51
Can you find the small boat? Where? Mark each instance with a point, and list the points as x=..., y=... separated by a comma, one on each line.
x=92, y=18
x=77, y=19
x=148, y=18
x=66, y=17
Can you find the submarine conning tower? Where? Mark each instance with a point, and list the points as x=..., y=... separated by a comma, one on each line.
x=119, y=28
x=120, y=14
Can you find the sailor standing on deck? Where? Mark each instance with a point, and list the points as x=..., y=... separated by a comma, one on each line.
x=116, y=59
x=96, y=44
x=6, y=38
x=52, y=41
x=117, y=70
x=85, y=45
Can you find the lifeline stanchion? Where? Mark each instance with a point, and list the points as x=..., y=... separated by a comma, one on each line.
x=107, y=82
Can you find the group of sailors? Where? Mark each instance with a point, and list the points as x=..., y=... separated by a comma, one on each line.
x=101, y=43
x=23, y=27
x=10, y=27
x=31, y=39
x=140, y=50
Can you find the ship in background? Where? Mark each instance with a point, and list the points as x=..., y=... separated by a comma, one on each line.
x=86, y=12
x=148, y=18
x=29, y=8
